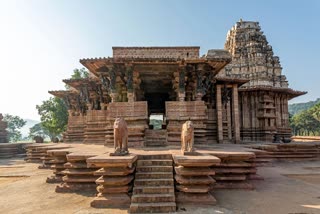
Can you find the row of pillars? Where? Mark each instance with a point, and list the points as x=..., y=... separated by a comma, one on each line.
x=181, y=96
x=235, y=113
x=235, y=105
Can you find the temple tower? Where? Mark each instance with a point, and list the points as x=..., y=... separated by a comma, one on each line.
x=263, y=101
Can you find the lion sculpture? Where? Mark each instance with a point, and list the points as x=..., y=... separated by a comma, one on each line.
x=120, y=131
x=187, y=137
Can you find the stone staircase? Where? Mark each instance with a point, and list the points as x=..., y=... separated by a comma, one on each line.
x=153, y=190
x=155, y=137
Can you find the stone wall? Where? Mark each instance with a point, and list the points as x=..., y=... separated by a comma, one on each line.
x=178, y=112
x=263, y=115
x=156, y=52
x=96, y=127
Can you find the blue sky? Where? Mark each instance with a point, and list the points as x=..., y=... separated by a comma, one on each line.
x=41, y=41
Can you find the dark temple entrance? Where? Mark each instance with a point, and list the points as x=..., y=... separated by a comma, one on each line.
x=157, y=87
x=156, y=102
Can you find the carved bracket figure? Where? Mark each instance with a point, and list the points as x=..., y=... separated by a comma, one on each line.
x=187, y=137
x=120, y=131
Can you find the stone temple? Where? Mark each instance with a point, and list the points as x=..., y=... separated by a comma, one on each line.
x=236, y=94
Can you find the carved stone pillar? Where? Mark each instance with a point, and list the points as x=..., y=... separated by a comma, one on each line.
x=182, y=90
x=70, y=112
x=131, y=97
x=89, y=106
x=235, y=113
x=219, y=114
x=113, y=96
x=229, y=121
x=199, y=91
x=103, y=106
x=130, y=92
x=113, y=81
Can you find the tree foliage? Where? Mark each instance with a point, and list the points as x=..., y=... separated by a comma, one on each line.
x=296, y=108
x=306, y=122
x=38, y=130
x=14, y=124
x=54, y=116
x=316, y=112
x=78, y=74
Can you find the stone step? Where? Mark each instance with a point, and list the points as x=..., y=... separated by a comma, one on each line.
x=155, y=162
x=164, y=207
x=153, y=175
x=154, y=168
x=158, y=156
x=157, y=144
x=153, y=141
x=159, y=138
x=152, y=198
x=153, y=189
x=155, y=132
x=153, y=182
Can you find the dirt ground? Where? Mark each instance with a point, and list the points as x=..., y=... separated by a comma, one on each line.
x=288, y=188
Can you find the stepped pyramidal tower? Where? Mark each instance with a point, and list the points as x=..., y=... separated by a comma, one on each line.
x=264, y=98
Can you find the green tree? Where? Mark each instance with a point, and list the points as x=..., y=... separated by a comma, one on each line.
x=81, y=73
x=54, y=116
x=305, y=123
x=316, y=111
x=14, y=124
x=38, y=130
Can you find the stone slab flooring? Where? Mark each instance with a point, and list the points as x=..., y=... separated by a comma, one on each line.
x=288, y=187
x=278, y=193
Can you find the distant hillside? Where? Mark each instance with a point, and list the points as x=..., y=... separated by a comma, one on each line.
x=25, y=129
x=298, y=107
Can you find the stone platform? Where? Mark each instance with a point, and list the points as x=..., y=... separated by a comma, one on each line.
x=287, y=151
x=141, y=180
x=116, y=174
x=10, y=150
x=77, y=175
x=193, y=178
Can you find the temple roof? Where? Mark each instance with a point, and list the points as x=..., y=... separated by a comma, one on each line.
x=291, y=92
x=216, y=62
x=76, y=83
x=227, y=80
x=63, y=93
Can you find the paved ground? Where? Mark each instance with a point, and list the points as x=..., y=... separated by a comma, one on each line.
x=288, y=188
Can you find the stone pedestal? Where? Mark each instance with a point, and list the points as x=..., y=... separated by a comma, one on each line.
x=10, y=150
x=115, y=181
x=59, y=158
x=47, y=159
x=33, y=155
x=235, y=170
x=78, y=177
x=193, y=178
